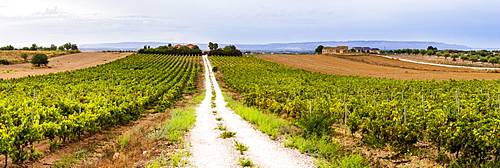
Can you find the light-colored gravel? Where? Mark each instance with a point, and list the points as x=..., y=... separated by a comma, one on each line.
x=209, y=150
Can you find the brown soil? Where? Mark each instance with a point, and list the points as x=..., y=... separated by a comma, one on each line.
x=443, y=60
x=375, y=66
x=59, y=64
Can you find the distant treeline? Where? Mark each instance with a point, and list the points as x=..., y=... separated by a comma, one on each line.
x=229, y=50
x=171, y=50
x=119, y=51
x=35, y=47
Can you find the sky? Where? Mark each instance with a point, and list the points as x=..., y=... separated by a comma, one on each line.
x=474, y=23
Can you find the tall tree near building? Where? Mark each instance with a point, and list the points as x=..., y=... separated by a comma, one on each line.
x=319, y=49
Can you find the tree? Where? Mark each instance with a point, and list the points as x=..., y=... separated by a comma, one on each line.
x=319, y=49
x=39, y=59
x=432, y=48
x=211, y=46
x=454, y=56
x=438, y=54
x=446, y=55
x=74, y=47
x=464, y=58
x=24, y=56
x=9, y=47
x=61, y=48
x=493, y=60
x=415, y=51
x=195, y=47
x=230, y=47
x=33, y=47
x=483, y=59
x=431, y=52
x=423, y=52
x=53, y=47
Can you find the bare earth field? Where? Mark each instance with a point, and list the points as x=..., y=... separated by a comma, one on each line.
x=59, y=64
x=375, y=66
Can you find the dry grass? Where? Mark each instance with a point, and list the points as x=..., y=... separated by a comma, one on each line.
x=12, y=55
x=374, y=66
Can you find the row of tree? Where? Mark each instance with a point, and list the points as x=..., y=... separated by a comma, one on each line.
x=483, y=56
x=229, y=50
x=171, y=50
x=35, y=47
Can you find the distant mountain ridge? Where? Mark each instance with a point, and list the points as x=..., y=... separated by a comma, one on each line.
x=284, y=47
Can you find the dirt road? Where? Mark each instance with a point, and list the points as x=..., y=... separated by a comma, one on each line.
x=210, y=150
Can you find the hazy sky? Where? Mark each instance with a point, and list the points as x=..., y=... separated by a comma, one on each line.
x=475, y=23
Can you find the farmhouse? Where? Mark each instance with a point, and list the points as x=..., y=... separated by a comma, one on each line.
x=189, y=45
x=366, y=50
x=335, y=50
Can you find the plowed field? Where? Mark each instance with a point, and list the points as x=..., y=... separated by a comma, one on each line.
x=375, y=66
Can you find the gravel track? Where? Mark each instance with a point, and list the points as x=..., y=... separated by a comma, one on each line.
x=209, y=150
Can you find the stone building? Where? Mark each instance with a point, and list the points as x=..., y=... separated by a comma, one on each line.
x=335, y=50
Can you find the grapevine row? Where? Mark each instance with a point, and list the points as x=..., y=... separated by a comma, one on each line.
x=458, y=116
x=64, y=105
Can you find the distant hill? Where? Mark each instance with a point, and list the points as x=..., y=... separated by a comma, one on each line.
x=284, y=47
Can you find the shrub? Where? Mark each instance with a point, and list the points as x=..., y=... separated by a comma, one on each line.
x=4, y=61
x=39, y=59
x=228, y=134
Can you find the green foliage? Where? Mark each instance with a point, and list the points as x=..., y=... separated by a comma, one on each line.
x=54, y=145
x=316, y=123
x=24, y=56
x=39, y=59
x=353, y=161
x=245, y=162
x=229, y=50
x=9, y=47
x=174, y=128
x=218, y=118
x=227, y=134
x=240, y=147
x=221, y=127
x=71, y=160
x=72, y=103
x=4, y=62
x=268, y=124
x=391, y=112
x=170, y=50
x=321, y=147
x=123, y=141
x=319, y=49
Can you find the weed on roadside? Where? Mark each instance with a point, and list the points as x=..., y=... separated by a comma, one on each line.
x=221, y=127
x=227, y=134
x=240, y=147
x=245, y=162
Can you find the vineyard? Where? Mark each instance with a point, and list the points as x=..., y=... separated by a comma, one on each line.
x=62, y=106
x=459, y=117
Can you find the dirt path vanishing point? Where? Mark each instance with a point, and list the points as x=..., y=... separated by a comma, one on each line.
x=60, y=64
x=210, y=150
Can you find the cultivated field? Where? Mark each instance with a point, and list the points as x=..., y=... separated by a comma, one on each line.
x=59, y=64
x=374, y=66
